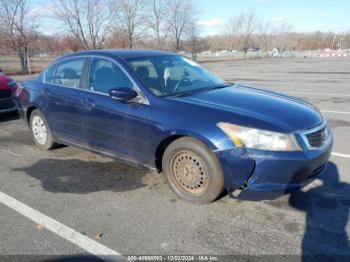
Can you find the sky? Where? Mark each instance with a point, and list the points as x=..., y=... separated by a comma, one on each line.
x=302, y=16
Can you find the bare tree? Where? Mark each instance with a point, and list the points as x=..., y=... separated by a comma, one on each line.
x=282, y=37
x=115, y=40
x=89, y=21
x=131, y=19
x=264, y=37
x=241, y=29
x=181, y=15
x=250, y=24
x=18, y=26
x=193, y=34
x=234, y=30
x=347, y=40
x=156, y=21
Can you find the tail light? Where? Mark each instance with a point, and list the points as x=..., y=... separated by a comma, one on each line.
x=18, y=89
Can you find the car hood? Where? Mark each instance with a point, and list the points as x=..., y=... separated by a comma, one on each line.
x=269, y=109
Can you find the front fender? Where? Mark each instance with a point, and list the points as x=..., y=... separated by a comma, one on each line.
x=210, y=143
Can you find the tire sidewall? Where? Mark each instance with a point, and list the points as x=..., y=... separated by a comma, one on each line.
x=215, y=174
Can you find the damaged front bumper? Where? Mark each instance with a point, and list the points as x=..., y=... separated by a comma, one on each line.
x=273, y=171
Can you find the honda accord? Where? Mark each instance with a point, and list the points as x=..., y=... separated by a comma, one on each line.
x=166, y=112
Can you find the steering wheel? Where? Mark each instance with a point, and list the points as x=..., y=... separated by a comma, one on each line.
x=181, y=82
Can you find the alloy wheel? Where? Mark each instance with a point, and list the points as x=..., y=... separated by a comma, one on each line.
x=39, y=130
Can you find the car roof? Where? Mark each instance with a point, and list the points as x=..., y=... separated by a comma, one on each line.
x=121, y=53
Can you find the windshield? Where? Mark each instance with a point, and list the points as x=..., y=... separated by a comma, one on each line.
x=174, y=75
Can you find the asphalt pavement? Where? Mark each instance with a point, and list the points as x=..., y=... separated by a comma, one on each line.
x=131, y=211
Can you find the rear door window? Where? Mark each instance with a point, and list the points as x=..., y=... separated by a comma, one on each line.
x=69, y=72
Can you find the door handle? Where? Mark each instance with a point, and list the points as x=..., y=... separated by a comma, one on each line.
x=45, y=91
x=89, y=103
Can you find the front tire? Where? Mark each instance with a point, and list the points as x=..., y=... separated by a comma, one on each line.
x=41, y=132
x=193, y=171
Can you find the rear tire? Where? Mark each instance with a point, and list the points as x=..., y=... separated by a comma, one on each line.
x=41, y=132
x=193, y=171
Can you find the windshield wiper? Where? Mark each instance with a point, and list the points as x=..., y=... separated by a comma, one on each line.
x=193, y=92
x=217, y=87
x=181, y=94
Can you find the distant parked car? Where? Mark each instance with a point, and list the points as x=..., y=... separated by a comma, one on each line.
x=166, y=112
x=8, y=88
x=43, y=55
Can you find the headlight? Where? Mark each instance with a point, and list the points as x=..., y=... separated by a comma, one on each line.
x=245, y=137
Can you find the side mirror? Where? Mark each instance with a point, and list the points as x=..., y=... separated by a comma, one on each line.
x=123, y=94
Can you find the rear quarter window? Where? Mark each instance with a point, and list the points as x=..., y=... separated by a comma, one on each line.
x=50, y=74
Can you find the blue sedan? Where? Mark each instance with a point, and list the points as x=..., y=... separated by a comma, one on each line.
x=165, y=112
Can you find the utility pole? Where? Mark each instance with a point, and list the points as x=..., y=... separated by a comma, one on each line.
x=333, y=42
x=341, y=44
x=28, y=64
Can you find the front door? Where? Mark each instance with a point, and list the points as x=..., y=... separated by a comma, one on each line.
x=122, y=128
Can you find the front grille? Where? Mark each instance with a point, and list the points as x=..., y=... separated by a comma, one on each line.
x=5, y=93
x=6, y=104
x=317, y=138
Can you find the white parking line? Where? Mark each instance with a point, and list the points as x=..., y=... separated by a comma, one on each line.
x=63, y=231
x=11, y=153
x=322, y=94
x=341, y=155
x=335, y=112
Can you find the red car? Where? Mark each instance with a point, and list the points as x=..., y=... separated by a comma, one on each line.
x=8, y=88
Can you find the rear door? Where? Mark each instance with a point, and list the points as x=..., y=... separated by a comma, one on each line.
x=63, y=98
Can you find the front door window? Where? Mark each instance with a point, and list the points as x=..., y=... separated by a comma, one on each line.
x=106, y=75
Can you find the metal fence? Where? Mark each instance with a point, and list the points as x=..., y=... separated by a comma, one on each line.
x=225, y=56
x=11, y=65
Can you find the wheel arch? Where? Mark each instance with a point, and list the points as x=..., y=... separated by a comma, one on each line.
x=30, y=110
x=171, y=137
